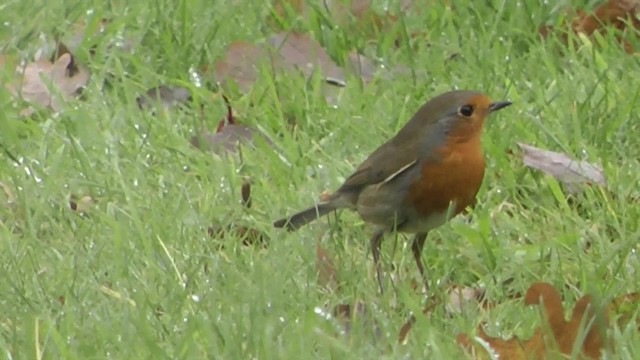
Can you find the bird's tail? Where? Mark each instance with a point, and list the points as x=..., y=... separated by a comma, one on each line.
x=295, y=221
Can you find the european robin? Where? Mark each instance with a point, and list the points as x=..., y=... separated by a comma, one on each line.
x=429, y=172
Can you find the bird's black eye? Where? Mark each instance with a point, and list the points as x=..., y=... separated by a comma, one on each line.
x=466, y=110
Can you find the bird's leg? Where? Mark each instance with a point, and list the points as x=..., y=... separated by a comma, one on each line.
x=416, y=249
x=376, y=242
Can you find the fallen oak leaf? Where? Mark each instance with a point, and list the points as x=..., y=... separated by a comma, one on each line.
x=39, y=78
x=355, y=15
x=482, y=344
x=300, y=51
x=613, y=12
x=240, y=64
x=563, y=334
x=568, y=171
x=566, y=333
x=285, y=51
x=617, y=14
x=60, y=50
x=78, y=34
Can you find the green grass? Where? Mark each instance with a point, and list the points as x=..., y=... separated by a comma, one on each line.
x=141, y=278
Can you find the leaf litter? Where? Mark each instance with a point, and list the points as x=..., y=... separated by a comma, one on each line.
x=572, y=173
x=49, y=83
x=621, y=15
x=229, y=135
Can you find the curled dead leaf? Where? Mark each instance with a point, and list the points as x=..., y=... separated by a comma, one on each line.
x=568, y=171
x=82, y=204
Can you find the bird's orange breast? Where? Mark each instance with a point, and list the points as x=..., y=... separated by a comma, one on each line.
x=455, y=178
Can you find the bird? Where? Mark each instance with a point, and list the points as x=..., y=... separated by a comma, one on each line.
x=426, y=174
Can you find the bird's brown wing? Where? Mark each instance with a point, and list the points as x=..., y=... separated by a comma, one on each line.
x=383, y=165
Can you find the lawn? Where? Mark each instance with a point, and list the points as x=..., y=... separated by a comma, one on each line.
x=108, y=247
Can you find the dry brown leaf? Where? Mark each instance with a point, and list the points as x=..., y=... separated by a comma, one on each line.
x=352, y=14
x=300, y=51
x=79, y=33
x=229, y=135
x=566, y=170
x=60, y=50
x=611, y=13
x=618, y=14
x=241, y=62
x=37, y=79
x=362, y=66
x=286, y=51
x=555, y=335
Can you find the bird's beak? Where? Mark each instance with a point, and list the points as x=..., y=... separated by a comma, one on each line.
x=499, y=105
